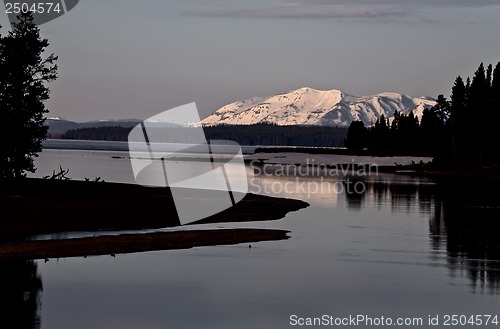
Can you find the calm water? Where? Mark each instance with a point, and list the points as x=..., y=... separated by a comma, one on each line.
x=403, y=247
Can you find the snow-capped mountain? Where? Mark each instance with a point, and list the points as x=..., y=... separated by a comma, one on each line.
x=307, y=106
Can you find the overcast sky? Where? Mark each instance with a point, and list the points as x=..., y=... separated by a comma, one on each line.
x=133, y=59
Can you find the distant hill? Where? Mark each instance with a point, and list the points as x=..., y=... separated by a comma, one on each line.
x=59, y=126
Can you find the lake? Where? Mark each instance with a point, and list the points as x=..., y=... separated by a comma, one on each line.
x=401, y=247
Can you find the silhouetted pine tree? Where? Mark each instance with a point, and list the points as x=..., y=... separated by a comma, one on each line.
x=477, y=107
x=433, y=126
x=357, y=136
x=458, y=121
x=380, y=135
x=461, y=132
x=495, y=114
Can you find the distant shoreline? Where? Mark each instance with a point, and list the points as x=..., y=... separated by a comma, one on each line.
x=104, y=145
x=264, y=154
x=111, y=146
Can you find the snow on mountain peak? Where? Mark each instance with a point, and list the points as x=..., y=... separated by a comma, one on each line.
x=308, y=106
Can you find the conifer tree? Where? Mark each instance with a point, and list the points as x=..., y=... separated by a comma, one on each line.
x=457, y=119
x=23, y=74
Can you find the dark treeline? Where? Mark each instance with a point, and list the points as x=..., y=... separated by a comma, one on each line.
x=258, y=134
x=458, y=132
x=271, y=134
x=108, y=133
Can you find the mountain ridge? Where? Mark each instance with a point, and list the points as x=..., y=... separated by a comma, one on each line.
x=308, y=106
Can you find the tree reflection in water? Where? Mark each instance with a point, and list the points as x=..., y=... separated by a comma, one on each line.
x=464, y=222
x=20, y=297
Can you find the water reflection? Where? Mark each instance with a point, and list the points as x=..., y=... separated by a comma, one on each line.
x=463, y=225
x=20, y=299
x=466, y=223
x=463, y=246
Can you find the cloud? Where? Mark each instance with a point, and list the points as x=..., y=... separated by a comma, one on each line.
x=333, y=8
x=301, y=10
x=411, y=3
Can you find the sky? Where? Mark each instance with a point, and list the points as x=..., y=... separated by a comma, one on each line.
x=123, y=59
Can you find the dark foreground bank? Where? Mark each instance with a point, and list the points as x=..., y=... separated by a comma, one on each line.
x=37, y=206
